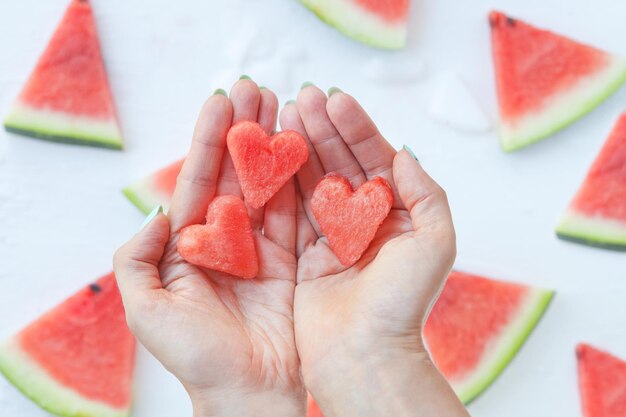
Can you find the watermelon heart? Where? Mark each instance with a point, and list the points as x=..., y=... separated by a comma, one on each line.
x=350, y=219
x=225, y=243
x=264, y=163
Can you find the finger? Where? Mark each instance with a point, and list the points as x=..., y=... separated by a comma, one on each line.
x=268, y=111
x=136, y=262
x=306, y=234
x=328, y=143
x=245, y=97
x=280, y=218
x=312, y=171
x=197, y=181
x=369, y=147
x=424, y=199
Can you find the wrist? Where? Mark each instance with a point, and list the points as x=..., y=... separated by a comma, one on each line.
x=396, y=382
x=236, y=403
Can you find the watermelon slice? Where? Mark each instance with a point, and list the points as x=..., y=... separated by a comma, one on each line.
x=597, y=215
x=602, y=382
x=155, y=189
x=313, y=410
x=546, y=81
x=350, y=218
x=76, y=360
x=382, y=24
x=477, y=326
x=263, y=163
x=225, y=243
x=67, y=97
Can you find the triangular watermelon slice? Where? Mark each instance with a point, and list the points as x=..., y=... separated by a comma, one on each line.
x=602, y=382
x=382, y=24
x=597, y=215
x=76, y=360
x=477, y=326
x=67, y=97
x=312, y=409
x=155, y=189
x=546, y=81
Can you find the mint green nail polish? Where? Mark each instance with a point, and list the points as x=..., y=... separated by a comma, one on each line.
x=155, y=212
x=220, y=92
x=245, y=77
x=410, y=152
x=333, y=90
x=288, y=102
x=262, y=87
x=306, y=84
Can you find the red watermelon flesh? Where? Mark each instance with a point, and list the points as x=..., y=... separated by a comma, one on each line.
x=390, y=10
x=313, y=409
x=156, y=189
x=597, y=214
x=225, y=243
x=604, y=191
x=350, y=218
x=602, y=382
x=67, y=97
x=476, y=327
x=544, y=80
x=77, y=359
x=263, y=163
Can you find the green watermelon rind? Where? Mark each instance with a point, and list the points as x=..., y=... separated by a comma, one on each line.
x=144, y=195
x=63, y=128
x=568, y=109
x=133, y=194
x=592, y=231
x=358, y=24
x=510, y=344
x=36, y=384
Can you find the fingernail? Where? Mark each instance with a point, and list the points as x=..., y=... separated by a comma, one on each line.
x=262, y=87
x=307, y=84
x=288, y=102
x=245, y=77
x=220, y=92
x=410, y=152
x=333, y=90
x=155, y=212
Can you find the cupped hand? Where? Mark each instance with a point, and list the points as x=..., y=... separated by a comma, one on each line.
x=229, y=341
x=354, y=322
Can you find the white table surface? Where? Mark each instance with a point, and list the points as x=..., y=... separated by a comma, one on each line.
x=62, y=213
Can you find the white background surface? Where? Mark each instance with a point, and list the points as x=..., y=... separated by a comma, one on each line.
x=62, y=213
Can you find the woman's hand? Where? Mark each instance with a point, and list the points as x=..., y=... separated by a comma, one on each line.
x=358, y=329
x=230, y=341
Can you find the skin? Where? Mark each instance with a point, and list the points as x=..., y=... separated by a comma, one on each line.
x=352, y=335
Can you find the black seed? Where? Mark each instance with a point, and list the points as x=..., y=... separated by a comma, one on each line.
x=95, y=288
x=510, y=21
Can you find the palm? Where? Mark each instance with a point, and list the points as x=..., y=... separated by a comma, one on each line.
x=249, y=321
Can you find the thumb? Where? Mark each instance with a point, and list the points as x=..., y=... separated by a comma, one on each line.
x=136, y=262
x=423, y=198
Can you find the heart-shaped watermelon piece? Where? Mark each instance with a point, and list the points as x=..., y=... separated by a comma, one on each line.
x=263, y=163
x=350, y=218
x=225, y=242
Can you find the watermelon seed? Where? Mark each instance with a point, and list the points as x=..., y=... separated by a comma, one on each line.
x=95, y=288
x=510, y=21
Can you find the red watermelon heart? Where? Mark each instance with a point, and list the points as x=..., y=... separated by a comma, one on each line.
x=263, y=163
x=350, y=219
x=225, y=243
